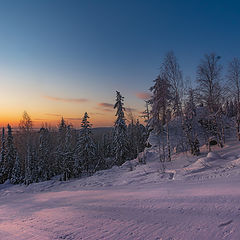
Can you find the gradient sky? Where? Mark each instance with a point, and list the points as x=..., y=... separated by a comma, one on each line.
x=62, y=58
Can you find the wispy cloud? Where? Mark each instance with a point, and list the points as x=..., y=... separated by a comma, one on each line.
x=73, y=118
x=106, y=105
x=71, y=100
x=143, y=95
x=107, y=110
x=95, y=113
x=53, y=114
x=40, y=119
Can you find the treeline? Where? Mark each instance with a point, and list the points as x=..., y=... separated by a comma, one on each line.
x=28, y=156
x=185, y=113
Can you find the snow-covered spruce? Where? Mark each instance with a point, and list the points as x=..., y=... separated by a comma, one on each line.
x=85, y=152
x=120, y=139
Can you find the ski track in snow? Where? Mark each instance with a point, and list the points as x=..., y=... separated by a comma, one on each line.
x=197, y=198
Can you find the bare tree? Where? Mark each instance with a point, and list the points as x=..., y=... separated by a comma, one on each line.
x=25, y=123
x=208, y=79
x=171, y=71
x=234, y=88
x=210, y=95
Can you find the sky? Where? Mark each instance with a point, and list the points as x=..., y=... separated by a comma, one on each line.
x=65, y=57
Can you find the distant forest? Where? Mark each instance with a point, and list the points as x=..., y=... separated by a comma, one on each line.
x=29, y=155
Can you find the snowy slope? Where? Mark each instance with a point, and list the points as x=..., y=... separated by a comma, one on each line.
x=196, y=198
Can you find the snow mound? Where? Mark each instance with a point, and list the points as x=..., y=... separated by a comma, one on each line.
x=129, y=165
x=213, y=155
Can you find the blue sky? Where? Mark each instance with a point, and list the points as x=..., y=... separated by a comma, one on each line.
x=55, y=50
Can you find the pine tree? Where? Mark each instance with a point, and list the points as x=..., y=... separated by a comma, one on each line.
x=44, y=168
x=58, y=167
x=131, y=134
x=17, y=173
x=120, y=141
x=77, y=157
x=106, y=145
x=190, y=123
x=10, y=153
x=3, y=148
x=3, y=176
x=85, y=153
x=101, y=162
x=140, y=137
x=31, y=167
x=67, y=165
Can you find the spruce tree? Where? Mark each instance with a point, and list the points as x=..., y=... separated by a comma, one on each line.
x=120, y=141
x=106, y=145
x=140, y=137
x=17, y=174
x=67, y=165
x=190, y=123
x=131, y=132
x=10, y=153
x=44, y=168
x=3, y=148
x=31, y=171
x=3, y=176
x=58, y=167
x=77, y=157
x=85, y=154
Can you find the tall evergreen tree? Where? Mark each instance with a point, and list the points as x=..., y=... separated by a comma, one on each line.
x=9, y=158
x=77, y=157
x=120, y=141
x=31, y=166
x=106, y=145
x=17, y=173
x=3, y=148
x=3, y=162
x=44, y=168
x=140, y=137
x=68, y=159
x=190, y=123
x=85, y=153
x=58, y=167
x=10, y=153
x=131, y=131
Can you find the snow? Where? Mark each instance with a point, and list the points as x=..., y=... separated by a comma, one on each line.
x=195, y=198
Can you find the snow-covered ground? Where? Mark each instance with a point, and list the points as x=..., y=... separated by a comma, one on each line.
x=196, y=198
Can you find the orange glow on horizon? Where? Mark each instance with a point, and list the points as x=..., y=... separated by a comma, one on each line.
x=96, y=119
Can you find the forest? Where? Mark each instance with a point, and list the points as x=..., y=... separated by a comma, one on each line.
x=183, y=114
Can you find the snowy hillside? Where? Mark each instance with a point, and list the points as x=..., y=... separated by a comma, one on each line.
x=195, y=198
